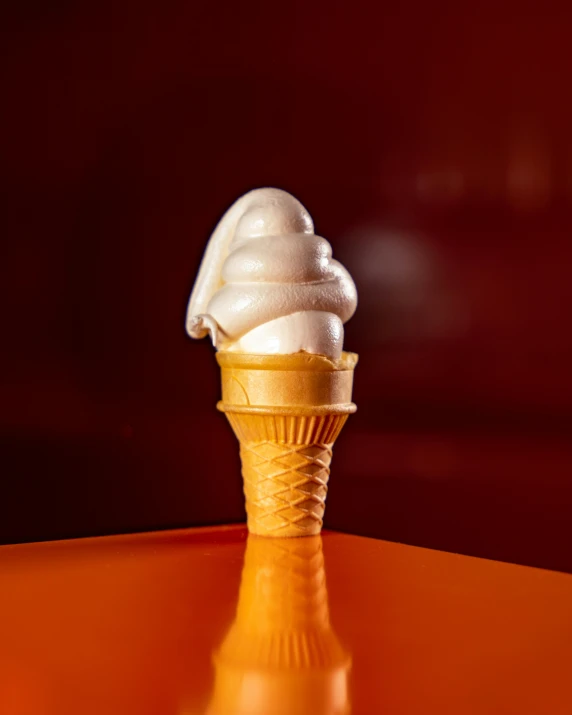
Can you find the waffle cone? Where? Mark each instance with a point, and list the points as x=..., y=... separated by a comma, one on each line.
x=286, y=411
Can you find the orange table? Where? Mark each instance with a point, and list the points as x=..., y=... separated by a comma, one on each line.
x=202, y=621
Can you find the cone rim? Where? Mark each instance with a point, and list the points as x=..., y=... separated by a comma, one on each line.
x=347, y=408
x=295, y=361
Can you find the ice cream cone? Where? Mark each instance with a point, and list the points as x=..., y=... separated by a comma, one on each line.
x=281, y=655
x=286, y=411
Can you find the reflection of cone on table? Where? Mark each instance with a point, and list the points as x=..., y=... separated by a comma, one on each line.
x=286, y=411
x=281, y=655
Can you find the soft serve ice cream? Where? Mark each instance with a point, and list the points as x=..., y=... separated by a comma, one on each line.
x=268, y=285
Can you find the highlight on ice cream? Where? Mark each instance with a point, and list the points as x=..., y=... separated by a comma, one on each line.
x=268, y=285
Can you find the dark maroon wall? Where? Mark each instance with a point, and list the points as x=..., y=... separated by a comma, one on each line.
x=430, y=141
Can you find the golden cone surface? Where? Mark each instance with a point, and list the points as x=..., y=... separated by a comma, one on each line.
x=286, y=411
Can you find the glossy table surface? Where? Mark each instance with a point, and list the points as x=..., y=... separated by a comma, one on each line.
x=208, y=621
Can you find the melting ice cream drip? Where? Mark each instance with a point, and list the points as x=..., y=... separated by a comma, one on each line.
x=268, y=284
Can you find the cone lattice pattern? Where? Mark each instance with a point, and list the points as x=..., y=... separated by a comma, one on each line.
x=285, y=467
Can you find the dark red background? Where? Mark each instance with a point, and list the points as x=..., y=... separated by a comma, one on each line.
x=430, y=141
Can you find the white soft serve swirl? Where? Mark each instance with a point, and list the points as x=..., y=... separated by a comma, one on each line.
x=278, y=290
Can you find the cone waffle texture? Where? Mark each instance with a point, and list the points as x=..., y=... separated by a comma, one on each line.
x=286, y=411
